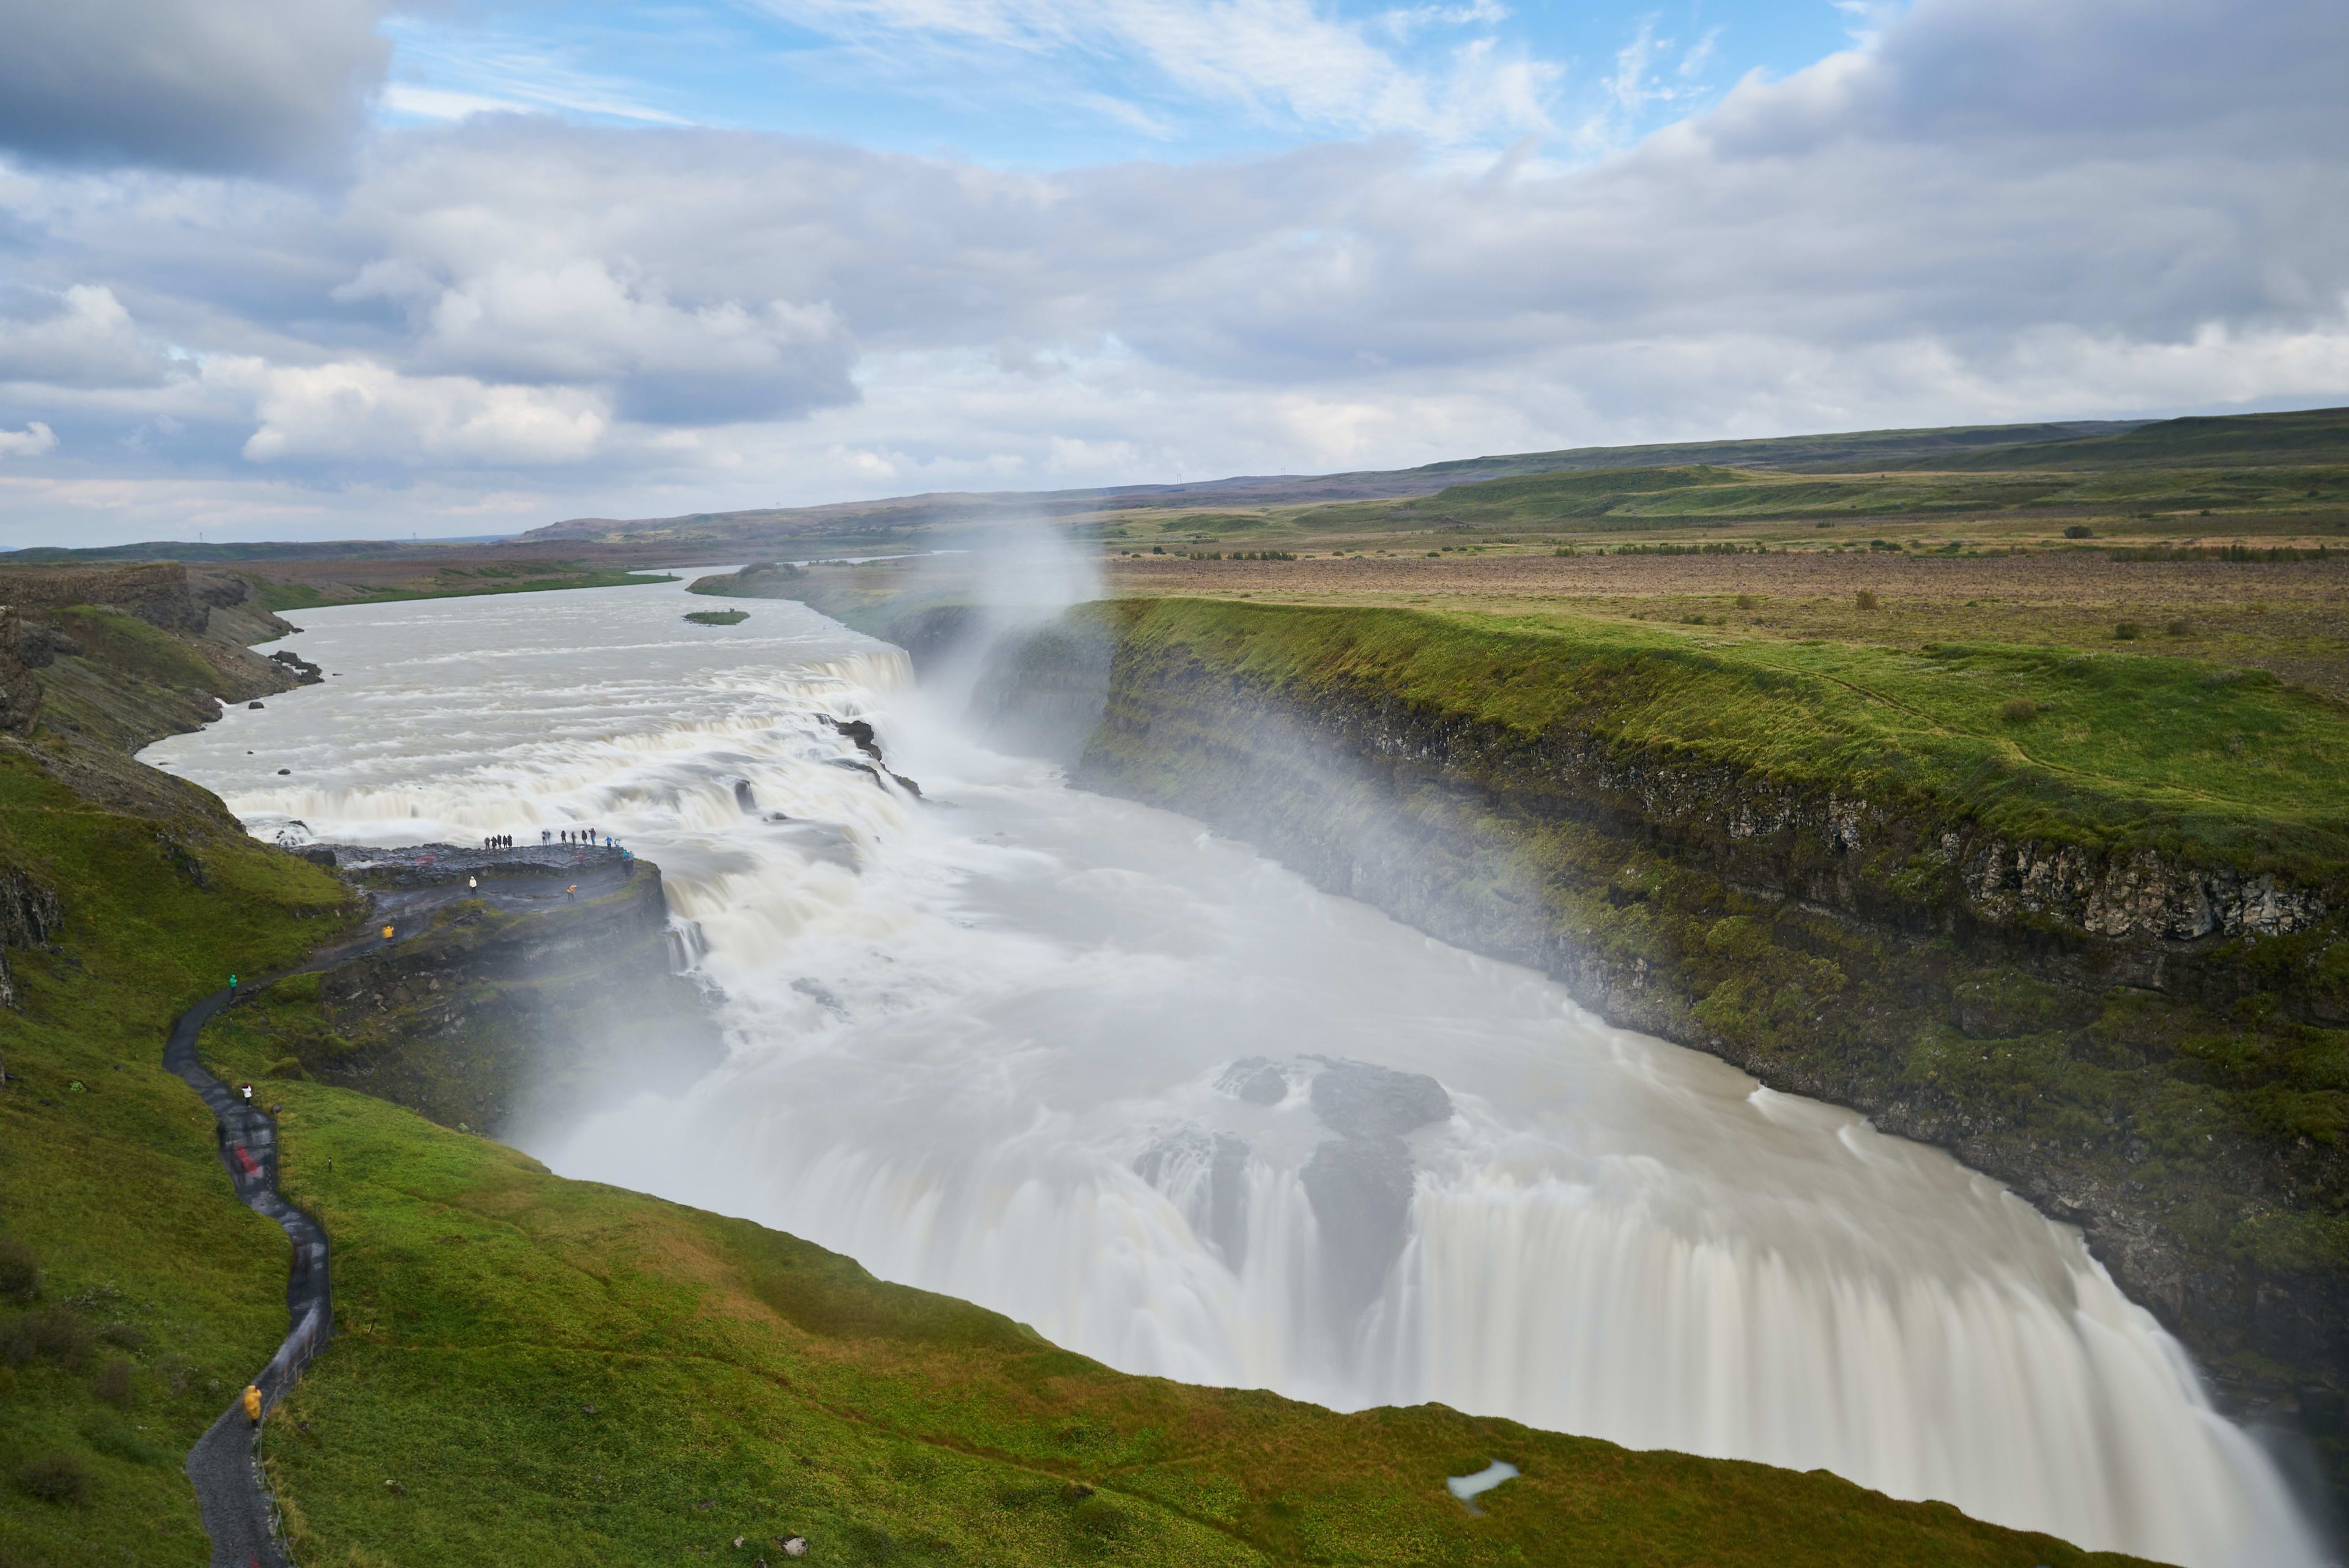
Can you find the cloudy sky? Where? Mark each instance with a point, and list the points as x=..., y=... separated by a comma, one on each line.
x=323, y=268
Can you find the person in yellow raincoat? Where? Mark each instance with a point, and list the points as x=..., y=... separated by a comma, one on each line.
x=253, y=1403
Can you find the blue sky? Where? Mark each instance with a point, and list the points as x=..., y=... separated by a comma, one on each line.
x=305, y=268
x=1049, y=85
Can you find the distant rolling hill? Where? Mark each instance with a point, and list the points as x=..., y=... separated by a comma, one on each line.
x=2311, y=437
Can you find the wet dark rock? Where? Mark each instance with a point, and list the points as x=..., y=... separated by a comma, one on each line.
x=253, y=705
x=745, y=797
x=1358, y=1100
x=1359, y=1181
x=1206, y=1175
x=1256, y=1079
x=858, y=730
x=303, y=672
x=1360, y=1192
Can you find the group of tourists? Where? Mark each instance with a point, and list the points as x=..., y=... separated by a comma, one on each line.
x=579, y=835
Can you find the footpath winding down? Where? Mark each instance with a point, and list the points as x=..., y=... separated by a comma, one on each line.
x=238, y=1511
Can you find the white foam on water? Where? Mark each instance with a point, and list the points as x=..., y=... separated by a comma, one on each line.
x=958, y=1025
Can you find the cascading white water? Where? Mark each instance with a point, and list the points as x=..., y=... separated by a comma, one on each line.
x=1088, y=1064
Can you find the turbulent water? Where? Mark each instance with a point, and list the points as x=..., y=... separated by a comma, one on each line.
x=1090, y=1065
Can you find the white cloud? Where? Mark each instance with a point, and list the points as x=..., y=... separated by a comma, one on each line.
x=86, y=339
x=438, y=103
x=358, y=411
x=31, y=441
x=581, y=323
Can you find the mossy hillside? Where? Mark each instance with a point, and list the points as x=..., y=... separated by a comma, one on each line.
x=2124, y=750
x=1648, y=500
x=133, y=682
x=563, y=1372
x=149, y=1266
x=1524, y=790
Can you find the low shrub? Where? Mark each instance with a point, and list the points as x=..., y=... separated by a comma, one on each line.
x=113, y=1384
x=2019, y=711
x=2126, y=631
x=54, y=1335
x=20, y=1271
x=1746, y=601
x=56, y=1476
x=2179, y=627
x=1864, y=599
x=2079, y=531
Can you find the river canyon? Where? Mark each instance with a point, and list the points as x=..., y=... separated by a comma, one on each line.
x=1086, y=1063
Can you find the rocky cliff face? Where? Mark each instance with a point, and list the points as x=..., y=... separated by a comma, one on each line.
x=494, y=1015
x=2130, y=1041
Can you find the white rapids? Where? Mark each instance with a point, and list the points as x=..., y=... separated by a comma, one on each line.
x=962, y=1027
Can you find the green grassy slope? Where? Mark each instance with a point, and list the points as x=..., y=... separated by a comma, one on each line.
x=2124, y=750
x=1616, y=500
x=108, y=1171
x=2306, y=436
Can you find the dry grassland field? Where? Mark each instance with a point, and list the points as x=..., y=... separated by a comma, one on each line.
x=2288, y=618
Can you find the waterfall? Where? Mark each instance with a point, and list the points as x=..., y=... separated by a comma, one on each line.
x=1088, y=1064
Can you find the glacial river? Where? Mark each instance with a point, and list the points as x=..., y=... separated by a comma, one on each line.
x=1065, y=1056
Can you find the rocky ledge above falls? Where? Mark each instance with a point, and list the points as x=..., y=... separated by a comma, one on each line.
x=553, y=982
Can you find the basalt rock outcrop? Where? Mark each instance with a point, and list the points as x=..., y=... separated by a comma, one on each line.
x=22, y=649
x=30, y=917
x=515, y=999
x=2133, y=1040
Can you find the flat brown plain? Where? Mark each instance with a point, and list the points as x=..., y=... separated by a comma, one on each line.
x=2292, y=619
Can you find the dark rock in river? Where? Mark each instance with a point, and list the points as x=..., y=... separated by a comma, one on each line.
x=1358, y=1100
x=1257, y=1080
x=1206, y=1176
x=860, y=731
x=1360, y=1182
x=1361, y=1191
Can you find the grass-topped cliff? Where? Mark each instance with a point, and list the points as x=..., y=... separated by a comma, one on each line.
x=529, y=1369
